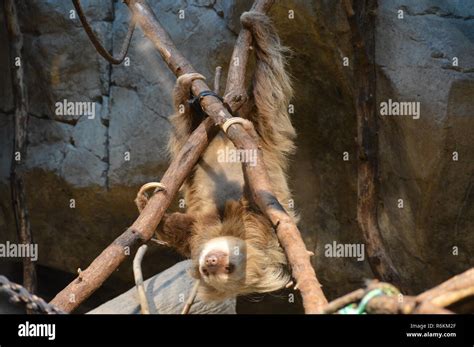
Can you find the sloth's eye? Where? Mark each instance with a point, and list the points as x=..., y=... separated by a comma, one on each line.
x=205, y=272
x=230, y=268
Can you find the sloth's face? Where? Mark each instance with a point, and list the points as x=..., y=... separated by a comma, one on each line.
x=222, y=262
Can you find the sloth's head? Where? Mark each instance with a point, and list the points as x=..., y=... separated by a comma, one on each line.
x=222, y=261
x=240, y=255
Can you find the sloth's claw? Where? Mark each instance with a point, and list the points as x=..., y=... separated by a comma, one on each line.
x=160, y=242
x=247, y=125
x=142, y=199
x=187, y=79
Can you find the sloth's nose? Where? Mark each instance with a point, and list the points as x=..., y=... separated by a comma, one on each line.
x=211, y=260
x=211, y=265
x=214, y=263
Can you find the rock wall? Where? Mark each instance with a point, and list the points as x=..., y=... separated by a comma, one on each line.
x=85, y=160
x=431, y=237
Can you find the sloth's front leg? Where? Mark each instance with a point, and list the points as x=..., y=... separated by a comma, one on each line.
x=174, y=229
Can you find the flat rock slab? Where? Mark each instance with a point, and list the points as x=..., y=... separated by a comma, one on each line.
x=169, y=290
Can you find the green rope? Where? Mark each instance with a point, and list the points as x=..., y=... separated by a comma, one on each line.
x=360, y=309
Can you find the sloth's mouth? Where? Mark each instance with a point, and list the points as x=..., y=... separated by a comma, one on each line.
x=229, y=269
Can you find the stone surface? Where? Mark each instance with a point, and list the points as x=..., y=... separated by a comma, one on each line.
x=72, y=157
x=431, y=238
x=167, y=293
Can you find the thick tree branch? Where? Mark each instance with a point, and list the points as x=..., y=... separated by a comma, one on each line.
x=362, y=21
x=456, y=283
x=20, y=140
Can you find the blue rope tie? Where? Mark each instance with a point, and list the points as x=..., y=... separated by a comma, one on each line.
x=360, y=309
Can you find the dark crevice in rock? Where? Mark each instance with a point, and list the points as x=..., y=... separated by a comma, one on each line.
x=438, y=55
x=156, y=113
x=96, y=155
x=463, y=205
x=236, y=34
x=33, y=33
x=447, y=66
x=97, y=99
x=106, y=159
x=220, y=13
x=71, y=122
x=211, y=6
x=106, y=121
x=435, y=11
x=9, y=111
x=457, y=68
x=128, y=87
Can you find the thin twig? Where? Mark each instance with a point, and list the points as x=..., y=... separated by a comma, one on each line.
x=192, y=296
x=217, y=79
x=20, y=143
x=96, y=42
x=137, y=272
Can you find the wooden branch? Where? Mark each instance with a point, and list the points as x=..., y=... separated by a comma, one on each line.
x=137, y=272
x=217, y=79
x=452, y=291
x=235, y=92
x=192, y=296
x=259, y=184
x=386, y=304
x=459, y=282
x=343, y=301
x=433, y=301
x=143, y=228
x=449, y=298
x=430, y=308
x=20, y=141
x=361, y=21
x=409, y=305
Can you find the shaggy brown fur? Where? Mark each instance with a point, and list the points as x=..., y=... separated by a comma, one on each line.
x=214, y=194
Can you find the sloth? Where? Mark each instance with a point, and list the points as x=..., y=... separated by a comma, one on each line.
x=233, y=246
